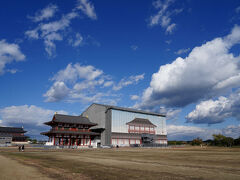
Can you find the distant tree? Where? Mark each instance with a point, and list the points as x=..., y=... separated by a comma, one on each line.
x=34, y=141
x=196, y=142
x=209, y=142
x=221, y=140
x=237, y=141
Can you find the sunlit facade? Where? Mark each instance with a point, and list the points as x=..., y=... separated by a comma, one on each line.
x=127, y=127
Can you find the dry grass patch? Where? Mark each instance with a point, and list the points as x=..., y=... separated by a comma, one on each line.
x=134, y=163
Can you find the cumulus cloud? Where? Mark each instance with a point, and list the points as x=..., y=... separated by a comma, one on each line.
x=45, y=13
x=163, y=16
x=26, y=114
x=85, y=84
x=212, y=112
x=134, y=97
x=171, y=114
x=77, y=71
x=52, y=31
x=87, y=8
x=206, y=72
x=8, y=54
x=79, y=77
x=180, y=132
x=57, y=92
x=128, y=81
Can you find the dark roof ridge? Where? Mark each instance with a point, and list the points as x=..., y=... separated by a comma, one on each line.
x=128, y=109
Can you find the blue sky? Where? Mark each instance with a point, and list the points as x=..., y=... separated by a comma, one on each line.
x=175, y=57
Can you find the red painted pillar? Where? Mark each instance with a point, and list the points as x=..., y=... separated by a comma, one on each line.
x=54, y=140
x=83, y=140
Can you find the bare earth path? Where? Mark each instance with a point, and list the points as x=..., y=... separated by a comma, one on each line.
x=11, y=170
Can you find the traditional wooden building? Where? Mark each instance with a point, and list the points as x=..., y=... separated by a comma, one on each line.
x=70, y=131
x=12, y=135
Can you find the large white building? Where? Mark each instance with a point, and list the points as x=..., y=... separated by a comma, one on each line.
x=125, y=126
x=104, y=125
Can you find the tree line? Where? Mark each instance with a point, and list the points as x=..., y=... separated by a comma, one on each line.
x=218, y=140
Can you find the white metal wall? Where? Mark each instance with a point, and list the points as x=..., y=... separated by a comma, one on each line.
x=120, y=118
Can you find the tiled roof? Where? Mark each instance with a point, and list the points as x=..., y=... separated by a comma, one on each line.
x=11, y=130
x=141, y=121
x=60, y=118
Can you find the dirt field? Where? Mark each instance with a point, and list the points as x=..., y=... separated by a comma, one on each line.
x=124, y=163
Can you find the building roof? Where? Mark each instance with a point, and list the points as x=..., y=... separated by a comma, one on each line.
x=129, y=110
x=11, y=130
x=60, y=118
x=141, y=121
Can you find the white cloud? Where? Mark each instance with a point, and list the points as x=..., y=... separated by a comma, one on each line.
x=87, y=8
x=8, y=54
x=57, y=92
x=108, y=83
x=163, y=16
x=77, y=41
x=212, y=112
x=206, y=72
x=134, y=97
x=75, y=82
x=31, y=117
x=171, y=114
x=77, y=71
x=32, y=34
x=180, y=132
x=85, y=84
x=45, y=13
x=128, y=81
x=26, y=114
x=232, y=131
x=182, y=51
x=170, y=28
x=53, y=31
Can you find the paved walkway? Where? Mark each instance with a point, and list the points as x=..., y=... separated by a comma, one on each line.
x=13, y=170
